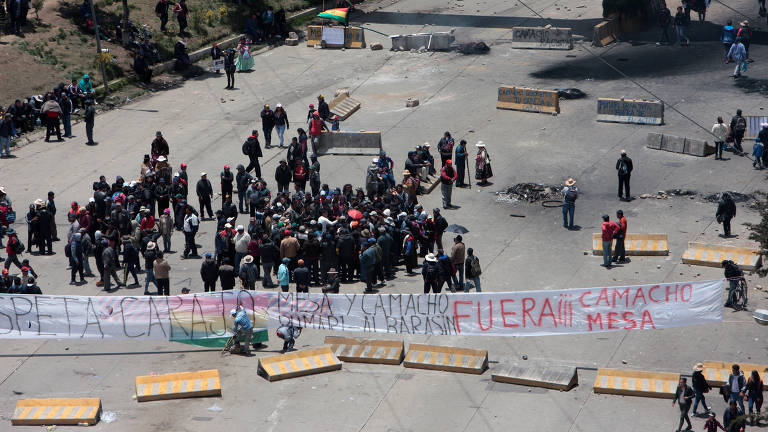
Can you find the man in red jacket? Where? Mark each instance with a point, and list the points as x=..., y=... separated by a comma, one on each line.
x=447, y=177
x=609, y=229
x=619, y=253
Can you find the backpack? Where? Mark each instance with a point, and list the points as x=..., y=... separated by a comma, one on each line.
x=474, y=265
x=246, y=148
x=18, y=247
x=623, y=168
x=68, y=250
x=572, y=195
x=741, y=125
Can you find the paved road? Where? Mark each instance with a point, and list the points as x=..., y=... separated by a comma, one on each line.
x=205, y=126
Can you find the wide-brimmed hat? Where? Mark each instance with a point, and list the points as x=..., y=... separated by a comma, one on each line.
x=248, y=259
x=479, y=144
x=332, y=271
x=406, y=173
x=570, y=182
x=430, y=257
x=744, y=23
x=150, y=245
x=698, y=367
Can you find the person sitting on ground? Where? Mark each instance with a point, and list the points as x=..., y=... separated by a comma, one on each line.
x=181, y=56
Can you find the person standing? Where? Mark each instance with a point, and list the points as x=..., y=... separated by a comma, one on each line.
x=13, y=249
x=191, y=225
x=624, y=169
x=323, y=110
x=316, y=128
x=733, y=418
x=472, y=271
x=754, y=390
x=181, y=10
x=267, y=124
x=683, y=396
x=204, y=195
x=241, y=241
x=283, y=176
x=66, y=113
x=447, y=178
x=109, y=260
x=738, y=127
x=209, y=272
x=429, y=273
x=283, y=275
x=681, y=22
x=738, y=54
x=482, y=164
x=161, y=10
x=230, y=68
x=609, y=229
x=249, y=273
x=51, y=110
x=665, y=20
x=6, y=131
x=570, y=195
x=252, y=149
x=368, y=265
x=226, y=275
x=150, y=255
x=242, y=180
x=281, y=122
x=90, y=119
x=700, y=386
x=619, y=254
x=445, y=147
x=459, y=162
x=162, y=273
x=458, y=255
x=763, y=135
x=726, y=210
x=736, y=386
x=76, y=258
x=720, y=131
x=757, y=153
x=216, y=53
x=301, y=277
x=727, y=37
x=227, y=180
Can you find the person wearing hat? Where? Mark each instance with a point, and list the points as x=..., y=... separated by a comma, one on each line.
x=283, y=176
x=624, y=169
x=150, y=255
x=159, y=147
x=483, y=170
x=700, y=386
x=204, y=195
x=227, y=180
x=335, y=123
x=242, y=329
x=429, y=273
x=570, y=194
x=332, y=282
x=249, y=273
x=267, y=124
x=230, y=68
x=284, y=275
x=316, y=127
x=447, y=178
x=712, y=425
x=240, y=240
x=281, y=122
x=609, y=230
x=322, y=108
x=13, y=248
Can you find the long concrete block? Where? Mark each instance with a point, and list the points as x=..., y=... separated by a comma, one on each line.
x=671, y=143
x=332, y=142
x=449, y=359
x=178, y=385
x=717, y=373
x=636, y=244
x=710, y=255
x=561, y=378
x=344, y=106
x=69, y=411
x=696, y=147
x=542, y=38
x=298, y=363
x=528, y=99
x=436, y=41
x=630, y=111
x=654, y=140
x=636, y=383
x=366, y=351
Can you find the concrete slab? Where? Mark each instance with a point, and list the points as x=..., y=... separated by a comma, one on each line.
x=299, y=363
x=674, y=144
x=542, y=38
x=636, y=383
x=60, y=411
x=444, y=358
x=636, y=244
x=366, y=350
x=711, y=255
x=178, y=385
x=654, y=140
x=561, y=378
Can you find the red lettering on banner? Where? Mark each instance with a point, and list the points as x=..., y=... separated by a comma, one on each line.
x=456, y=315
x=490, y=313
x=612, y=320
x=689, y=288
x=581, y=299
x=505, y=313
x=547, y=307
x=646, y=318
x=639, y=294
x=627, y=316
x=527, y=310
x=595, y=319
x=621, y=294
x=650, y=294
x=603, y=297
x=667, y=291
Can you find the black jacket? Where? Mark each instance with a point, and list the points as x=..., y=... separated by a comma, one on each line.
x=625, y=160
x=267, y=118
x=283, y=174
x=227, y=277
x=324, y=110
x=204, y=188
x=269, y=253
x=726, y=208
x=252, y=148
x=301, y=276
x=209, y=272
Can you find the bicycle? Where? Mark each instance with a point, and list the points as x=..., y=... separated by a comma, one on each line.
x=738, y=297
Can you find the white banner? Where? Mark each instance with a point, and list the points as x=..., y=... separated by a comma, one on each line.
x=523, y=313
x=204, y=318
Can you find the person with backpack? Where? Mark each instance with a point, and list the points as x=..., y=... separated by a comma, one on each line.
x=738, y=127
x=570, y=195
x=472, y=271
x=665, y=20
x=700, y=386
x=429, y=272
x=624, y=168
x=445, y=147
x=13, y=249
x=681, y=22
x=745, y=33
x=252, y=149
x=738, y=53
x=727, y=37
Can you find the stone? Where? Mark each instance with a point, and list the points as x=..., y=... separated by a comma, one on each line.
x=293, y=35
x=411, y=102
x=376, y=46
x=292, y=41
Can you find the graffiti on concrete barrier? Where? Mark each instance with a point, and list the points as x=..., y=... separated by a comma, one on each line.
x=540, y=37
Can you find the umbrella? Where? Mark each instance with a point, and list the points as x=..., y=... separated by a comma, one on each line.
x=458, y=229
x=355, y=214
x=338, y=14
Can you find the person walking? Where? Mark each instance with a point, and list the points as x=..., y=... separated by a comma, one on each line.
x=267, y=124
x=190, y=227
x=681, y=22
x=757, y=153
x=483, y=169
x=665, y=21
x=90, y=119
x=458, y=255
x=736, y=386
x=738, y=54
x=570, y=195
x=209, y=272
x=754, y=390
x=51, y=111
x=429, y=273
x=460, y=163
x=281, y=123
x=720, y=131
x=230, y=68
x=162, y=274
x=252, y=149
x=726, y=210
x=745, y=34
x=609, y=229
x=165, y=226
x=727, y=37
x=76, y=259
x=683, y=396
x=712, y=425
x=447, y=178
x=109, y=260
x=738, y=127
x=619, y=254
x=624, y=169
x=700, y=386
x=13, y=248
x=204, y=195
x=150, y=255
x=472, y=271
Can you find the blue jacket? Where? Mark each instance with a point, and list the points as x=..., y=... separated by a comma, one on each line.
x=367, y=261
x=729, y=35
x=283, y=274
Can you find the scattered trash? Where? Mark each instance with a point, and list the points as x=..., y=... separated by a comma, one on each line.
x=108, y=416
x=525, y=357
x=473, y=48
x=49, y=428
x=530, y=193
x=16, y=392
x=215, y=408
x=623, y=362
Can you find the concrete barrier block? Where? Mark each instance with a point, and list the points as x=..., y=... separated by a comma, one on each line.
x=292, y=41
x=630, y=111
x=561, y=378
x=636, y=383
x=696, y=147
x=178, y=385
x=366, y=351
x=542, y=38
x=449, y=359
x=654, y=140
x=528, y=99
x=710, y=255
x=69, y=411
x=671, y=143
x=298, y=363
x=717, y=373
x=636, y=244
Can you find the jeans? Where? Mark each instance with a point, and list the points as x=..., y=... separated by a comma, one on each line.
x=568, y=209
x=166, y=242
x=680, y=35
x=459, y=281
x=242, y=203
x=732, y=285
x=727, y=227
x=607, y=252
x=238, y=257
x=719, y=145
x=130, y=268
x=5, y=146
x=699, y=397
x=475, y=281
x=150, y=278
x=86, y=265
x=280, y=133
x=430, y=285
x=684, y=417
x=445, y=190
x=67, y=120
x=266, y=280
x=752, y=403
x=738, y=399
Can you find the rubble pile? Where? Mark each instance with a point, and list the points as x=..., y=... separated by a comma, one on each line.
x=530, y=193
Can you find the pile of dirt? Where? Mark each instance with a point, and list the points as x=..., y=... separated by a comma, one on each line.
x=530, y=193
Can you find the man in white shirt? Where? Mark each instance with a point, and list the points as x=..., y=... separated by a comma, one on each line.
x=720, y=131
x=191, y=224
x=242, y=239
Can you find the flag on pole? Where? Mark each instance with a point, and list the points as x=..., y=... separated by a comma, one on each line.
x=338, y=14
